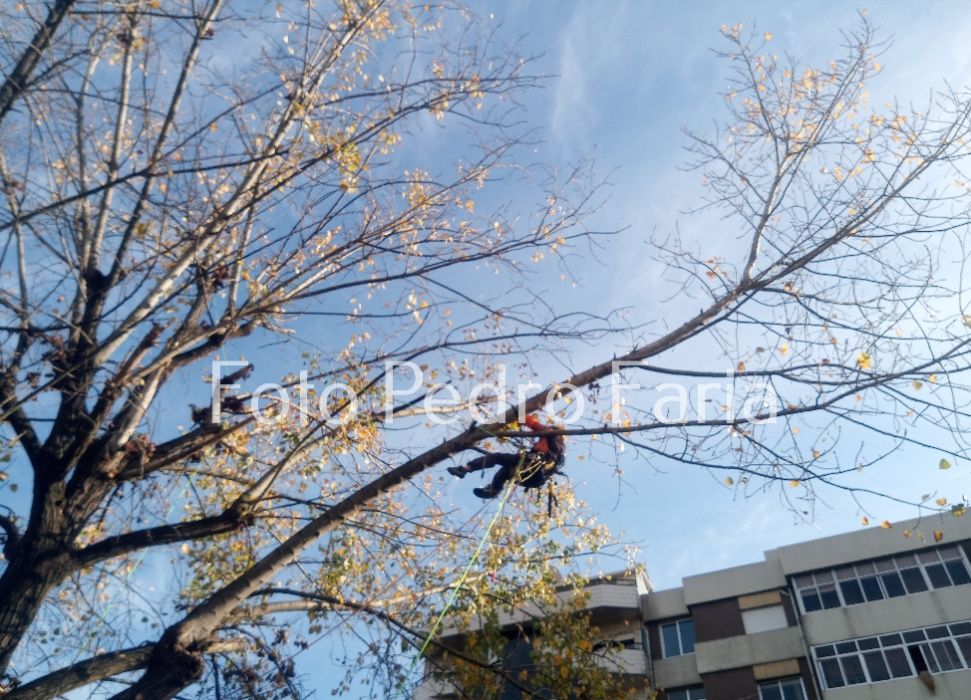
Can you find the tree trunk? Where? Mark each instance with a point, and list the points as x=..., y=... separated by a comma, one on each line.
x=24, y=586
x=40, y=561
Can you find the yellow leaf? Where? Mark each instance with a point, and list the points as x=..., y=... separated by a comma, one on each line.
x=864, y=361
x=941, y=501
x=784, y=348
x=816, y=454
x=944, y=464
x=918, y=384
x=864, y=520
x=886, y=525
x=729, y=481
x=740, y=367
x=938, y=535
x=794, y=483
x=906, y=533
x=932, y=379
x=214, y=127
x=767, y=36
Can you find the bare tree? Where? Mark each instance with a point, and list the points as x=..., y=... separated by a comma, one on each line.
x=182, y=185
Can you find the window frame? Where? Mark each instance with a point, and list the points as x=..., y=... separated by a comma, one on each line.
x=685, y=693
x=884, y=576
x=676, y=624
x=934, y=644
x=777, y=683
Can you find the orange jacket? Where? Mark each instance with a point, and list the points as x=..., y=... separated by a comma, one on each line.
x=542, y=445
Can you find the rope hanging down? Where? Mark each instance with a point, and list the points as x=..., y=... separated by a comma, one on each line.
x=461, y=580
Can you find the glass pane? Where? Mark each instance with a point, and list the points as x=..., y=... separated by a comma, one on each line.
x=876, y=666
x=913, y=580
x=872, y=590
x=826, y=650
x=951, y=552
x=811, y=601
x=770, y=692
x=669, y=633
x=885, y=565
x=905, y=561
x=961, y=628
x=827, y=593
x=937, y=632
x=678, y=694
x=832, y=673
x=958, y=571
x=852, y=670
x=804, y=581
x=824, y=576
x=792, y=690
x=852, y=593
x=932, y=664
x=914, y=636
x=696, y=694
x=846, y=647
x=868, y=643
x=687, y=636
x=893, y=584
x=938, y=576
x=888, y=640
x=947, y=657
x=898, y=663
x=965, y=644
x=929, y=557
x=846, y=572
x=865, y=568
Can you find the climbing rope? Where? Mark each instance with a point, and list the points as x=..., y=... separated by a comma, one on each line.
x=510, y=485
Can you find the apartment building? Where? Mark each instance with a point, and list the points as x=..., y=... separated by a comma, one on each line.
x=867, y=615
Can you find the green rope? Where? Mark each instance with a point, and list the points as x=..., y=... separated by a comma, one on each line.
x=510, y=485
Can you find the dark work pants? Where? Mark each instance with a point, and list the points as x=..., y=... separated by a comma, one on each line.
x=532, y=471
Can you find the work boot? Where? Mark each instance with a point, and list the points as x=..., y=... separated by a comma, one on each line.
x=485, y=493
x=460, y=472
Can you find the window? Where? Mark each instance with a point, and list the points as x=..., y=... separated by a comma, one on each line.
x=874, y=659
x=764, y=619
x=783, y=689
x=696, y=693
x=678, y=638
x=883, y=578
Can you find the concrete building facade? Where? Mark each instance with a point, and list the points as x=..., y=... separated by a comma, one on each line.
x=867, y=615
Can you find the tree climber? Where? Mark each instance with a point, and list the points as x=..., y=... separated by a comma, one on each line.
x=531, y=468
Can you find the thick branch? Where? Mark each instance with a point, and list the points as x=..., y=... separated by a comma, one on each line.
x=98, y=668
x=227, y=521
x=16, y=82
